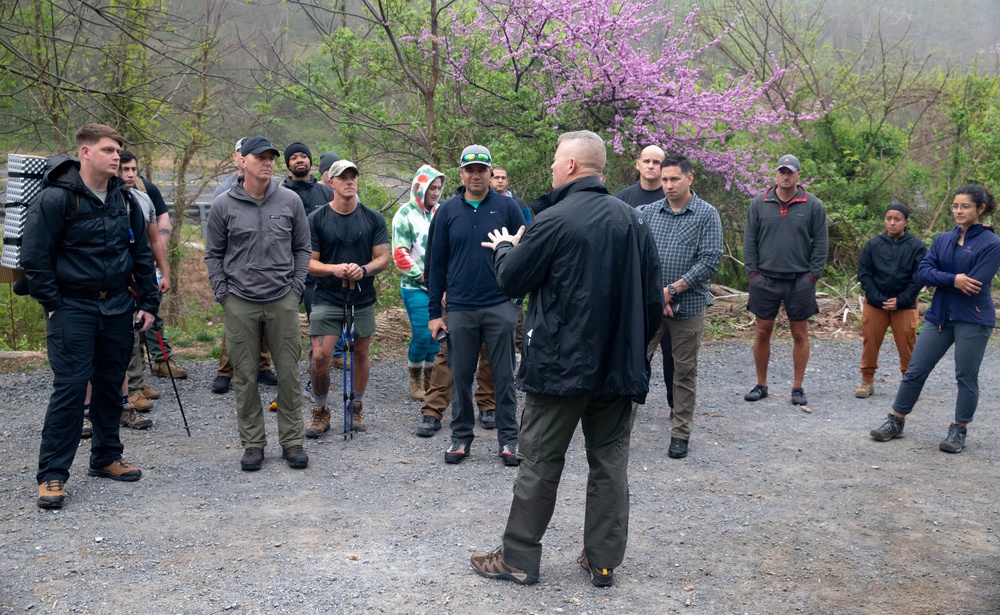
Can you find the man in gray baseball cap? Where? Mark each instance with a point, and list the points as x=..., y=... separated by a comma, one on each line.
x=784, y=253
x=789, y=162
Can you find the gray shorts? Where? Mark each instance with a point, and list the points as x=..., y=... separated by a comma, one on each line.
x=329, y=320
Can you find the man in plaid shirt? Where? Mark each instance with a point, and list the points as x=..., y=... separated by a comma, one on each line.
x=688, y=235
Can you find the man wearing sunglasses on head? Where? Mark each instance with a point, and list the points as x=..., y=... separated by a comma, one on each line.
x=462, y=276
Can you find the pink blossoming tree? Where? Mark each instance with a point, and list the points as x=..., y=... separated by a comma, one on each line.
x=628, y=70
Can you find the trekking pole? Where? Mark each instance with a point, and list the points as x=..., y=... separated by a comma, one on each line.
x=170, y=372
x=347, y=331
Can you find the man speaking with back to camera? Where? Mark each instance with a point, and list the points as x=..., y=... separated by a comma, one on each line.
x=590, y=264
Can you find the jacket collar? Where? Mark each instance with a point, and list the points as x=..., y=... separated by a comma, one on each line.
x=584, y=184
x=240, y=192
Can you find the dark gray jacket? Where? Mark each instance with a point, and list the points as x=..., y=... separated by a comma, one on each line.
x=785, y=240
x=258, y=253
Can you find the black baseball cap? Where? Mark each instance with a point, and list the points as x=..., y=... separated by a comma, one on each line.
x=257, y=145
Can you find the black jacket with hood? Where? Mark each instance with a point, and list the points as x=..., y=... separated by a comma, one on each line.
x=591, y=266
x=74, y=247
x=888, y=268
x=313, y=193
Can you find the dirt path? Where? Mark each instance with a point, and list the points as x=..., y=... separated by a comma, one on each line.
x=774, y=511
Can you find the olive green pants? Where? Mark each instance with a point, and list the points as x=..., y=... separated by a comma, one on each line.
x=279, y=320
x=547, y=426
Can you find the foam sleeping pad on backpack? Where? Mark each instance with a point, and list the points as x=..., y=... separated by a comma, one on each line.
x=24, y=182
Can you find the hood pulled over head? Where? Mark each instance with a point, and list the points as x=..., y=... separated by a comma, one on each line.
x=423, y=178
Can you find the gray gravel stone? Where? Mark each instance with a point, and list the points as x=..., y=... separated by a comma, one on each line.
x=774, y=510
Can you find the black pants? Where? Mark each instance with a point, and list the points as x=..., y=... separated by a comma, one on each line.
x=84, y=348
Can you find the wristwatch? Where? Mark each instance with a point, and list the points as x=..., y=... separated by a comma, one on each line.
x=671, y=290
x=364, y=271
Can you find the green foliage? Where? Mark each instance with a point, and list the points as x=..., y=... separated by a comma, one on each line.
x=22, y=322
x=200, y=327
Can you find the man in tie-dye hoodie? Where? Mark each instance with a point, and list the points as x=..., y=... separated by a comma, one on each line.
x=410, y=227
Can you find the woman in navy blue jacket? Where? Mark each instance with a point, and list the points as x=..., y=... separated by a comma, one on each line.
x=960, y=265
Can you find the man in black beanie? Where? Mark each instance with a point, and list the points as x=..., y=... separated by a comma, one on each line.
x=298, y=160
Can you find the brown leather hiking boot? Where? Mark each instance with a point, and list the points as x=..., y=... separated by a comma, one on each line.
x=492, y=566
x=134, y=420
x=119, y=470
x=337, y=362
x=51, y=493
x=253, y=459
x=416, y=387
x=140, y=402
x=160, y=369
x=359, y=418
x=320, y=422
x=150, y=393
x=296, y=456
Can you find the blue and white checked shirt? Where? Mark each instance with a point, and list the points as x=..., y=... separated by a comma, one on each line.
x=689, y=242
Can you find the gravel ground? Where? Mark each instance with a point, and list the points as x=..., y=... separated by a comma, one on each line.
x=774, y=511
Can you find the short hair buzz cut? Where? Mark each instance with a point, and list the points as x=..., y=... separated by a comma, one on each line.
x=592, y=145
x=92, y=133
x=678, y=160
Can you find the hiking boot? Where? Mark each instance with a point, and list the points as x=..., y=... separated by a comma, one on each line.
x=757, y=393
x=88, y=427
x=457, y=451
x=150, y=393
x=492, y=566
x=488, y=419
x=865, y=389
x=119, y=470
x=508, y=453
x=955, y=441
x=307, y=393
x=320, y=422
x=266, y=376
x=428, y=426
x=295, y=455
x=359, y=418
x=678, y=448
x=338, y=362
x=161, y=369
x=139, y=402
x=600, y=577
x=253, y=459
x=892, y=428
x=134, y=420
x=51, y=493
x=799, y=396
x=416, y=386
x=222, y=384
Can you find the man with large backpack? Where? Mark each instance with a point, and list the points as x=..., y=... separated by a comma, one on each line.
x=84, y=252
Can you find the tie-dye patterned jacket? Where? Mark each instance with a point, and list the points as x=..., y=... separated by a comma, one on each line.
x=410, y=226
